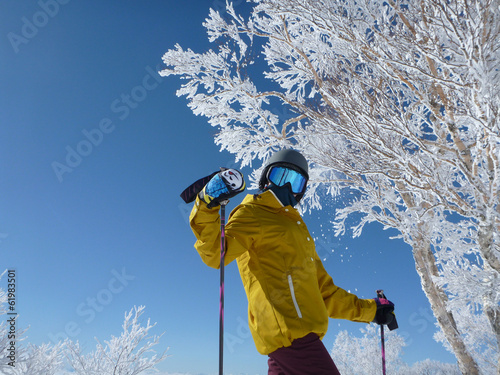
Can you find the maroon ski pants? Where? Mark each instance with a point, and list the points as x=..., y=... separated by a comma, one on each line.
x=306, y=356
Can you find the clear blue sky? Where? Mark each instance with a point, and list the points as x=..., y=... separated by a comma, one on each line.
x=94, y=151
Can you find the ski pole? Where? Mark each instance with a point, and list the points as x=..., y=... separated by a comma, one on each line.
x=380, y=294
x=382, y=340
x=221, y=304
x=225, y=187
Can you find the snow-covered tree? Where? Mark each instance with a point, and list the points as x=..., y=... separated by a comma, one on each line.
x=121, y=355
x=15, y=358
x=129, y=354
x=429, y=367
x=362, y=355
x=45, y=359
x=396, y=105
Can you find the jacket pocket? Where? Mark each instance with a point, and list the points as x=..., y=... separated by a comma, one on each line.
x=292, y=292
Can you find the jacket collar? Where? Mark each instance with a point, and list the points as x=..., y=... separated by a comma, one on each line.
x=267, y=199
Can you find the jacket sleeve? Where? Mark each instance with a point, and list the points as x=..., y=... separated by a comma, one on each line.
x=341, y=304
x=240, y=231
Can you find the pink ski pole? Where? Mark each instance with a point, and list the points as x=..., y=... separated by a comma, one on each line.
x=380, y=294
x=221, y=304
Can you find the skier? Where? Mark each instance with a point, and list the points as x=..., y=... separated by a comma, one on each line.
x=290, y=295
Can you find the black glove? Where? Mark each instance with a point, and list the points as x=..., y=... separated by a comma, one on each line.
x=385, y=312
x=224, y=185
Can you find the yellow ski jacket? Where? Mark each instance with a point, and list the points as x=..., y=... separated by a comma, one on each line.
x=289, y=291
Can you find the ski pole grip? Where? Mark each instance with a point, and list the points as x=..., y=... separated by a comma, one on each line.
x=394, y=323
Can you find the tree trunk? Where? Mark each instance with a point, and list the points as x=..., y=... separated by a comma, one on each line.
x=486, y=245
x=493, y=314
x=426, y=268
x=425, y=264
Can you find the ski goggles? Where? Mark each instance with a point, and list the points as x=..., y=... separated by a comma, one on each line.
x=280, y=176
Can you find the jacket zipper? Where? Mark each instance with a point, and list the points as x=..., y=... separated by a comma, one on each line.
x=292, y=291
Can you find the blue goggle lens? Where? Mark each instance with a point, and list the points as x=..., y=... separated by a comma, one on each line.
x=280, y=176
